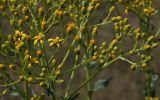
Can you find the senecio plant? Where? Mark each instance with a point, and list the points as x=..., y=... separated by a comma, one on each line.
x=46, y=34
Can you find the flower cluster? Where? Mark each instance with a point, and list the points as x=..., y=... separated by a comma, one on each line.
x=31, y=50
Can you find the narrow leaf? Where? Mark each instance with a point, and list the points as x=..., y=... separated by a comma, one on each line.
x=101, y=84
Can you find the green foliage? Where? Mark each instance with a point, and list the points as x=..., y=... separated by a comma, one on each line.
x=101, y=84
x=31, y=53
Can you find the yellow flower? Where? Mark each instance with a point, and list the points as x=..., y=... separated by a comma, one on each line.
x=2, y=66
x=126, y=10
x=55, y=41
x=39, y=38
x=30, y=79
x=1, y=7
x=25, y=10
x=32, y=61
x=43, y=24
x=18, y=45
x=11, y=66
x=70, y=27
x=41, y=11
x=58, y=13
x=60, y=81
x=39, y=53
x=149, y=11
x=19, y=36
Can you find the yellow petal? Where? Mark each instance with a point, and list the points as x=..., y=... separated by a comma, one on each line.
x=49, y=40
x=51, y=44
x=35, y=42
x=57, y=45
x=42, y=42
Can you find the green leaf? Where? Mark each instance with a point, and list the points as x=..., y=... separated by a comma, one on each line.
x=14, y=93
x=101, y=84
x=92, y=63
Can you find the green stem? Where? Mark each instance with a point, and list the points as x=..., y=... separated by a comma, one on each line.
x=67, y=54
x=127, y=60
x=26, y=90
x=77, y=66
x=34, y=19
x=85, y=82
x=103, y=23
x=10, y=84
x=146, y=28
x=94, y=75
x=53, y=97
x=149, y=89
x=88, y=74
x=71, y=78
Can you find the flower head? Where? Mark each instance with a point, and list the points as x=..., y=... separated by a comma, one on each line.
x=39, y=38
x=2, y=66
x=149, y=11
x=70, y=27
x=55, y=41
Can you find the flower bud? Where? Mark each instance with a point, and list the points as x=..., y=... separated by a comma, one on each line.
x=154, y=45
x=21, y=77
x=131, y=52
x=26, y=18
x=58, y=72
x=102, y=61
x=90, y=8
x=10, y=37
x=1, y=7
x=142, y=57
x=133, y=67
x=60, y=81
x=77, y=38
x=127, y=28
x=42, y=84
x=94, y=58
x=112, y=9
x=97, y=6
x=54, y=61
x=43, y=24
x=150, y=39
x=118, y=18
x=138, y=36
x=41, y=11
x=39, y=53
x=104, y=44
x=125, y=21
x=2, y=66
x=94, y=31
x=113, y=43
x=25, y=10
x=144, y=65
x=44, y=69
x=42, y=74
x=143, y=35
x=77, y=51
x=30, y=79
x=92, y=42
x=12, y=22
x=116, y=28
x=12, y=66
x=20, y=22
x=146, y=47
x=4, y=92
